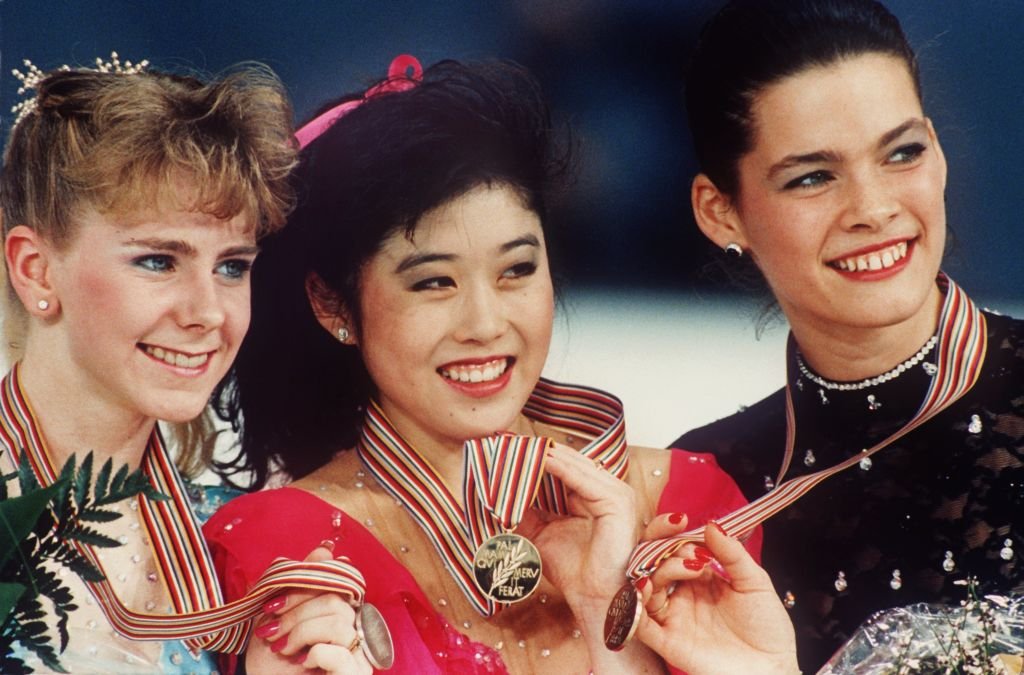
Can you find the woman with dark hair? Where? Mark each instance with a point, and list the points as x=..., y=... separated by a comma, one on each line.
x=400, y=325
x=904, y=403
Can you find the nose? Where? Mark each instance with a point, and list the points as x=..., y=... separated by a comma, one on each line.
x=201, y=305
x=873, y=202
x=482, y=316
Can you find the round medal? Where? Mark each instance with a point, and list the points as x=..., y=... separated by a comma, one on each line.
x=507, y=568
x=374, y=637
x=622, y=618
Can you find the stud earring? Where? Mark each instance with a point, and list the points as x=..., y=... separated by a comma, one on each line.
x=43, y=305
x=343, y=334
x=733, y=250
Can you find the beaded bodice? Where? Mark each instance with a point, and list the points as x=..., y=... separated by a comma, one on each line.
x=943, y=502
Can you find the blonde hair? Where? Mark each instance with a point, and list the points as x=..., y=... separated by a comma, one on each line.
x=111, y=141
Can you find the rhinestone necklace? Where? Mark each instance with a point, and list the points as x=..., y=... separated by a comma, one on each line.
x=871, y=381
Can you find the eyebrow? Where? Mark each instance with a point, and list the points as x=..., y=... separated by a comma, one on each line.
x=417, y=259
x=186, y=249
x=828, y=156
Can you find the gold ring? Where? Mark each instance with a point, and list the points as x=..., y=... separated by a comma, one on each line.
x=354, y=645
x=660, y=609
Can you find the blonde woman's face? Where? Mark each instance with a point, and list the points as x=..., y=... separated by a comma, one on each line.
x=841, y=199
x=153, y=306
x=457, y=320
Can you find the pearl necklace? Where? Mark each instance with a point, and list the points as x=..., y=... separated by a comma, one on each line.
x=871, y=381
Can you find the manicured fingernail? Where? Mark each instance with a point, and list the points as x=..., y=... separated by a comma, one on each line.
x=718, y=569
x=274, y=605
x=267, y=629
x=299, y=658
x=702, y=553
x=328, y=544
x=694, y=564
x=718, y=527
x=279, y=644
x=641, y=582
x=675, y=518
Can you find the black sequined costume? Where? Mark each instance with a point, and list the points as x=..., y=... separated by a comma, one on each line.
x=943, y=502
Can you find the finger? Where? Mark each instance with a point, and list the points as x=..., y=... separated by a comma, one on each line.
x=285, y=601
x=583, y=478
x=329, y=606
x=675, y=569
x=328, y=629
x=666, y=525
x=745, y=574
x=335, y=660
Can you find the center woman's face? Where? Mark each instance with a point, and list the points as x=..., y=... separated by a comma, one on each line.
x=841, y=197
x=457, y=320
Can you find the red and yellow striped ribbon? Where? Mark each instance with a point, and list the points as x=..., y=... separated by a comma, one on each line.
x=201, y=617
x=963, y=341
x=504, y=475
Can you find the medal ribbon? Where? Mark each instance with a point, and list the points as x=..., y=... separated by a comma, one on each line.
x=504, y=475
x=201, y=617
x=963, y=340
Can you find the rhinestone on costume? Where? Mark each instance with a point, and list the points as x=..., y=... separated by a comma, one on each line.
x=467, y=624
x=442, y=602
x=151, y=577
x=821, y=395
x=975, y=426
x=150, y=606
x=896, y=583
x=930, y=368
x=176, y=659
x=840, y=582
x=521, y=644
x=122, y=578
x=133, y=505
x=873, y=403
x=336, y=519
x=577, y=633
x=948, y=564
x=800, y=385
x=499, y=645
x=90, y=624
x=865, y=464
x=545, y=653
x=1006, y=552
x=360, y=484
x=136, y=558
x=403, y=548
x=368, y=522
x=123, y=539
x=809, y=458
x=656, y=473
x=769, y=484
x=789, y=600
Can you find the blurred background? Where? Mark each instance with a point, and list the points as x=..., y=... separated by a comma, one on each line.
x=642, y=316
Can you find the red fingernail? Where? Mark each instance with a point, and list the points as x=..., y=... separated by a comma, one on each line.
x=718, y=527
x=328, y=544
x=641, y=582
x=274, y=605
x=718, y=569
x=702, y=553
x=279, y=644
x=675, y=518
x=694, y=564
x=267, y=629
x=299, y=658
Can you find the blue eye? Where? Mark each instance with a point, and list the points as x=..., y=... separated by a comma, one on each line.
x=810, y=180
x=907, y=154
x=155, y=262
x=235, y=269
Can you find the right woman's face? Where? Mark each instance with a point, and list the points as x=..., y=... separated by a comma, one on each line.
x=456, y=321
x=841, y=198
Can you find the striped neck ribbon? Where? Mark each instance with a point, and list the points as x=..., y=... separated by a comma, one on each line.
x=963, y=341
x=201, y=617
x=504, y=474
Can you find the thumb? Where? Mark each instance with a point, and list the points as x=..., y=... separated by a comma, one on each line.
x=746, y=574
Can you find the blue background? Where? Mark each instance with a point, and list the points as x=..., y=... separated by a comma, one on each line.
x=613, y=69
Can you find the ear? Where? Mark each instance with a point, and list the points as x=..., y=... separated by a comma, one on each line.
x=715, y=213
x=335, y=321
x=29, y=259
x=938, y=149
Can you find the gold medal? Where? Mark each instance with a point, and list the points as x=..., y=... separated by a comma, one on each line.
x=507, y=568
x=623, y=617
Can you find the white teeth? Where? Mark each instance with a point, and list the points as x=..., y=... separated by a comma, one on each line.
x=877, y=260
x=177, y=359
x=477, y=373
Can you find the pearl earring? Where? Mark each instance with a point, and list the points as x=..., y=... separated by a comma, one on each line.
x=734, y=250
x=43, y=305
x=343, y=334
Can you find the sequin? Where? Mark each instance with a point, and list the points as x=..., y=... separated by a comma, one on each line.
x=948, y=564
x=360, y=484
x=122, y=540
x=975, y=426
x=403, y=548
x=577, y=633
x=543, y=598
x=467, y=624
x=521, y=644
x=336, y=519
x=545, y=653
x=133, y=505
x=360, y=474
x=1006, y=553
x=865, y=464
x=368, y=522
x=122, y=578
x=442, y=602
x=151, y=577
x=896, y=583
x=873, y=403
x=821, y=395
x=656, y=473
x=150, y=606
x=499, y=645
x=176, y=659
x=809, y=458
x=769, y=484
x=789, y=600
x=90, y=624
x=840, y=582
x=136, y=558
x=930, y=368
